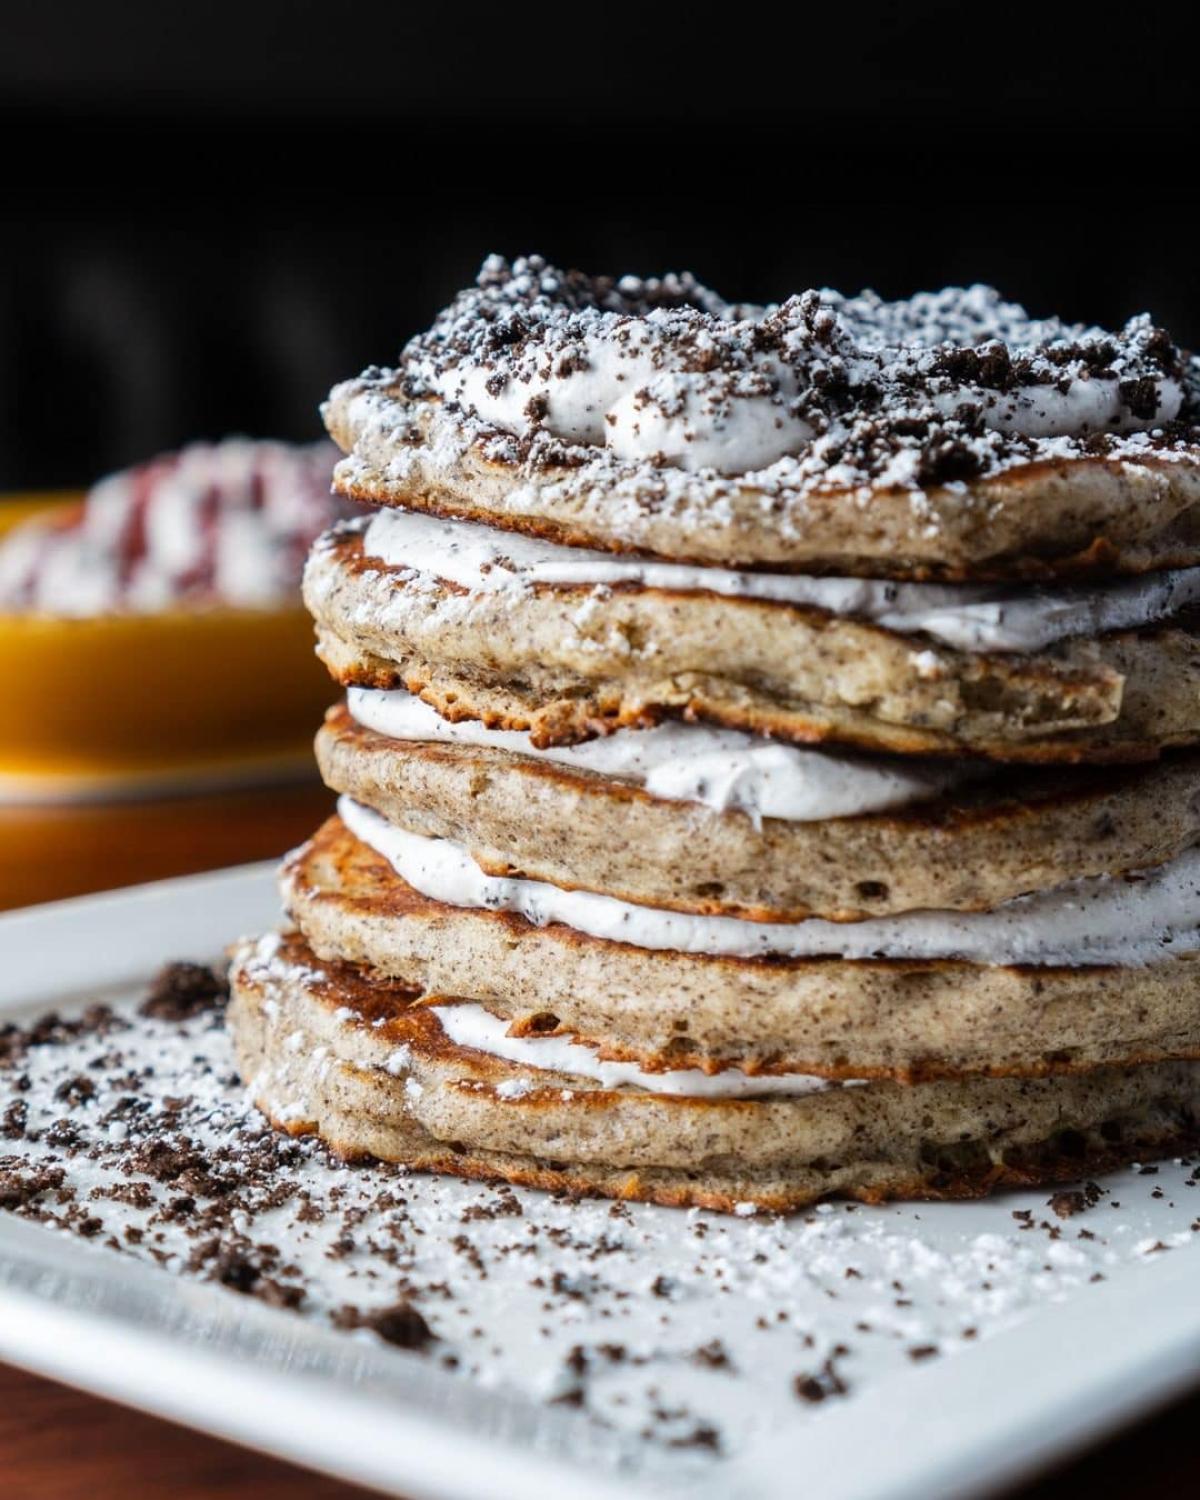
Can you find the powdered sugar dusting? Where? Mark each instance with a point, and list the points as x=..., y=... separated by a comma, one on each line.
x=633, y=379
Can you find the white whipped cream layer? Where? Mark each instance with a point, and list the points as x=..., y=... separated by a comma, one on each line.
x=470, y=1025
x=615, y=395
x=969, y=617
x=680, y=762
x=616, y=388
x=1100, y=920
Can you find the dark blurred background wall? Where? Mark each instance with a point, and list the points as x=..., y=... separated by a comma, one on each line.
x=211, y=211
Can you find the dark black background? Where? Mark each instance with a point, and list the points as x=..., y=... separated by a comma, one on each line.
x=212, y=211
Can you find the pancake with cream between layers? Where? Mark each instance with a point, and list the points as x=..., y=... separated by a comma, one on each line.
x=923, y=1011
x=700, y=819
x=325, y=1051
x=568, y=660
x=949, y=435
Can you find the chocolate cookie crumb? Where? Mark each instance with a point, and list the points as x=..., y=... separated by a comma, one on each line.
x=181, y=991
x=712, y=1356
x=702, y=1436
x=816, y=1388
x=401, y=1324
x=1075, y=1201
x=20, y=1189
x=76, y=1090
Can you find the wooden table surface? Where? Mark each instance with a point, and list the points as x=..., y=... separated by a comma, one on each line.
x=58, y=1444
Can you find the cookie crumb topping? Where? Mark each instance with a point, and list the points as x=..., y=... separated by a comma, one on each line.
x=551, y=368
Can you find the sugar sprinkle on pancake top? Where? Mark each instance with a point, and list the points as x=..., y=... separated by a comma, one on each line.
x=947, y=434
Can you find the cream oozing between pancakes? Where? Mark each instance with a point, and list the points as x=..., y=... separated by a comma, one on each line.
x=1099, y=920
x=969, y=617
x=823, y=389
x=685, y=762
x=470, y=1025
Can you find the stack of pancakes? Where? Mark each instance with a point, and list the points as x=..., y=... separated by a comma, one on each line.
x=765, y=768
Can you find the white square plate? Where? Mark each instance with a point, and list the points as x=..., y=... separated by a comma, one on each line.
x=1068, y=1335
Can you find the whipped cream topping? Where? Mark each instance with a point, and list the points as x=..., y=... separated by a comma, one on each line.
x=682, y=762
x=969, y=617
x=229, y=522
x=935, y=388
x=611, y=394
x=1099, y=920
x=470, y=1025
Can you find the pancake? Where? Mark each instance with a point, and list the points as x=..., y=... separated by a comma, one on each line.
x=1067, y=518
x=569, y=661
x=970, y=849
x=831, y=1017
x=945, y=435
x=325, y=1051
